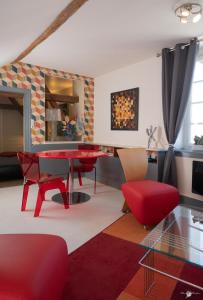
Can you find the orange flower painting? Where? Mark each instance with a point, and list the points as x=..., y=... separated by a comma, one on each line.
x=124, y=110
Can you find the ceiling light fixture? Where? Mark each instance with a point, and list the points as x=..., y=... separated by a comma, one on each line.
x=189, y=12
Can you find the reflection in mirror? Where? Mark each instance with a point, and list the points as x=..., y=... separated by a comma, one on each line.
x=64, y=109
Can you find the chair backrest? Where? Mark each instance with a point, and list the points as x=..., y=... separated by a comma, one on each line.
x=89, y=161
x=30, y=165
x=134, y=163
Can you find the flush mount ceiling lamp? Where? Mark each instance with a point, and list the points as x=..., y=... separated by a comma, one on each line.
x=189, y=12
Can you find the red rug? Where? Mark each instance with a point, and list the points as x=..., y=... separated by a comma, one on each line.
x=101, y=268
x=189, y=272
x=106, y=268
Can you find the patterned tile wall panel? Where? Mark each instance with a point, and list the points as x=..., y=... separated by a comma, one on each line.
x=31, y=77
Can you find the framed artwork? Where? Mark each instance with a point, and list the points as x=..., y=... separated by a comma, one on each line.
x=124, y=110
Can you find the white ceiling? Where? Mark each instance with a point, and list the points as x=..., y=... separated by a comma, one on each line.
x=21, y=21
x=102, y=36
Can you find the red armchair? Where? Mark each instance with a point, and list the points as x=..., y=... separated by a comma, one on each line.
x=31, y=172
x=33, y=266
x=150, y=201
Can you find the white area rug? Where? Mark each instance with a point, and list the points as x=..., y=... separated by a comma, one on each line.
x=76, y=225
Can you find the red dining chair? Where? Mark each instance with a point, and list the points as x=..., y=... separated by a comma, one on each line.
x=86, y=165
x=31, y=171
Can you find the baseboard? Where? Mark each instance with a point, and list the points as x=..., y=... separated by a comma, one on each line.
x=191, y=202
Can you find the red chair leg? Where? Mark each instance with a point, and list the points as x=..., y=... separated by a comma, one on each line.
x=95, y=179
x=25, y=195
x=79, y=178
x=63, y=191
x=40, y=199
x=67, y=183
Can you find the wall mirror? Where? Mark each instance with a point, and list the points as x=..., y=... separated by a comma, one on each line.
x=64, y=108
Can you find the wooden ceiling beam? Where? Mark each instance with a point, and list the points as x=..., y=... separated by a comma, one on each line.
x=65, y=14
x=7, y=106
x=61, y=98
x=15, y=103
x=51, y=104
x=13, y=95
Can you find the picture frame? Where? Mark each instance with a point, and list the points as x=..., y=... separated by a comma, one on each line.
x=125, y=109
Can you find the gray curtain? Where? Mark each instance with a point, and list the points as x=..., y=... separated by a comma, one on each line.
x=177, y=73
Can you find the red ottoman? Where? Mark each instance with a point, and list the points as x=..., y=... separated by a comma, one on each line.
x=150, y=201
x=32, y=266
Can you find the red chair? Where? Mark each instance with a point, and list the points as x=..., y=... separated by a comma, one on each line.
x=150, y=201
x=86, y=164
x=31, y=172
x=33, y=266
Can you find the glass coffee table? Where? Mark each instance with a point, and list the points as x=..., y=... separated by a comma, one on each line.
x=175, y=242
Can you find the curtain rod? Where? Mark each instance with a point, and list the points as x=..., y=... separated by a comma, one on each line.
x=172, y=49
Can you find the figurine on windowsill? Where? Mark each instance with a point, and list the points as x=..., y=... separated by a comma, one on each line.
x=150, y=132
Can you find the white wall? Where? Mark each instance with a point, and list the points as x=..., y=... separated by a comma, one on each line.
x=147, y=76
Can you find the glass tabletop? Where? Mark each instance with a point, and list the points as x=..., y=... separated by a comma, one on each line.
x=179, y=235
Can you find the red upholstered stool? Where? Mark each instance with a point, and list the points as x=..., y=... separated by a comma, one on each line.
x=150, y=201
x=32, y=266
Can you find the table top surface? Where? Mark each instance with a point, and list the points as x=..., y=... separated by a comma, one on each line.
x=179, y=235
x=71, y=154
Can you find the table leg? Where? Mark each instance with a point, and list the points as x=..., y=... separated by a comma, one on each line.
x=73, y=197
x=149, y=274
x=70, y=181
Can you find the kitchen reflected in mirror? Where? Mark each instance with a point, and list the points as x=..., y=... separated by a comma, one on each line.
x=64, y=103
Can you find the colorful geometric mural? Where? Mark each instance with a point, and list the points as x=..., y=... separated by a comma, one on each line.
x=27, y=76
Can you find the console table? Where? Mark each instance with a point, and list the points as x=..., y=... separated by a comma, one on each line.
x=110, y=172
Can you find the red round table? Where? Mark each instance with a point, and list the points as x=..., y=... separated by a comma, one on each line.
x=70, y=155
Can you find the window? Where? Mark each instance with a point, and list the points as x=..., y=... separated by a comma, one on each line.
x=196, y=115
x=193, y=120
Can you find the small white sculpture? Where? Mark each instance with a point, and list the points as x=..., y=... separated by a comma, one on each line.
x=150, y=132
